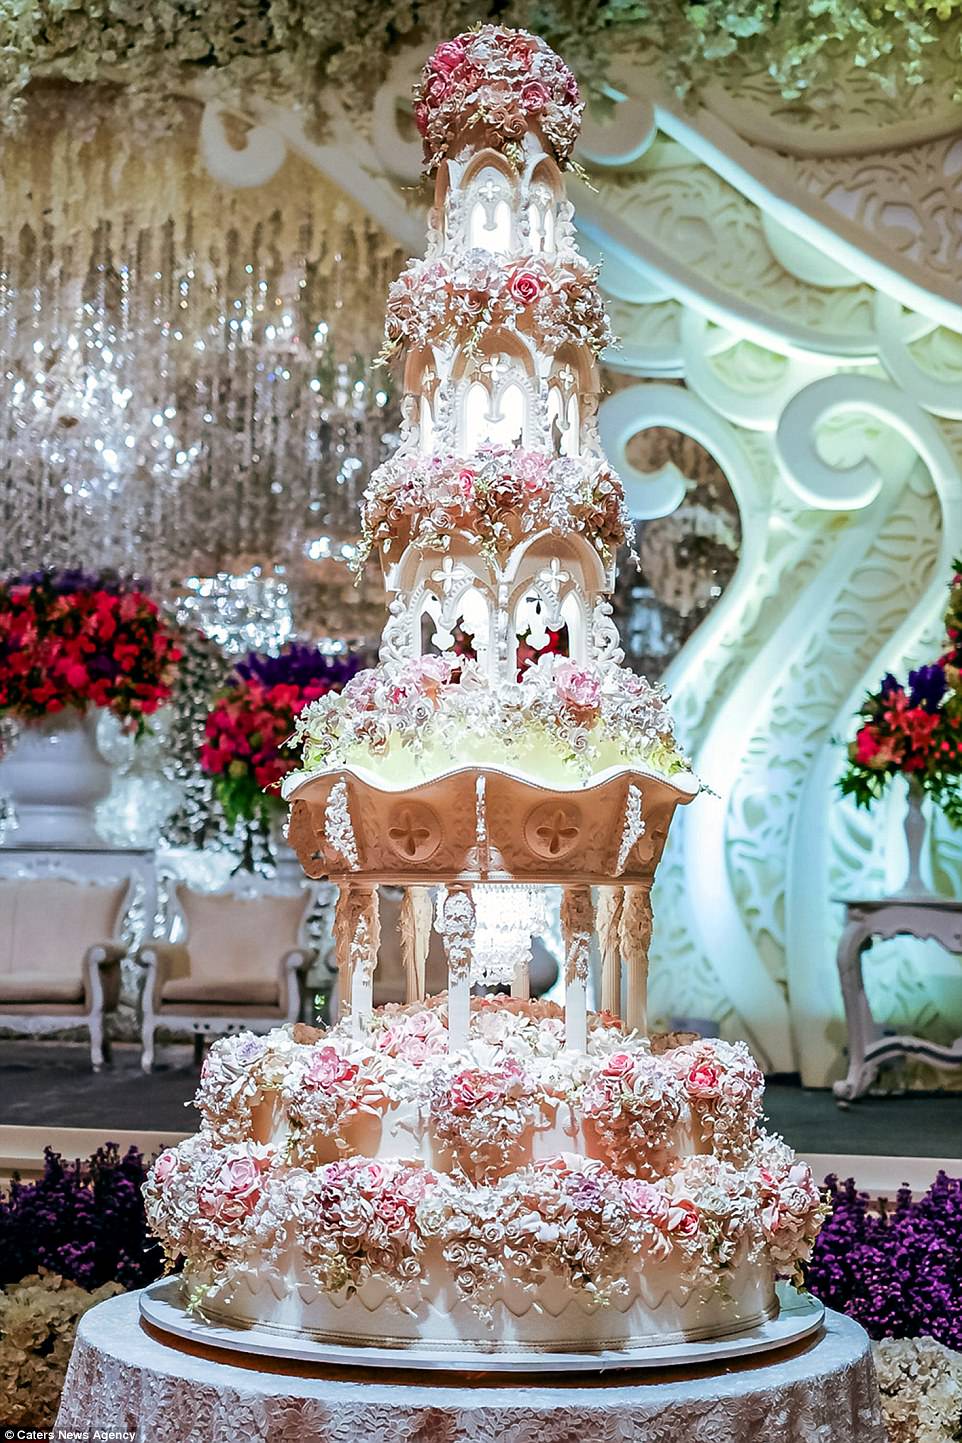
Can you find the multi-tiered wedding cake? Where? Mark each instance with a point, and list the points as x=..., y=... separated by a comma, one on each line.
x=489, y=1171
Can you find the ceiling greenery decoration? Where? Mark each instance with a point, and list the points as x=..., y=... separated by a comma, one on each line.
x=294, y=49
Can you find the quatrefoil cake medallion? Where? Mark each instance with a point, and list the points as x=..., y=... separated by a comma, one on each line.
x=553, y=829
x=413, y=832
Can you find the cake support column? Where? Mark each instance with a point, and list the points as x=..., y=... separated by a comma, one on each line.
x=577, y=925
x=415, y=940
x=610, y=906
x=357, y=932
x=635, y=941
x=457, y=929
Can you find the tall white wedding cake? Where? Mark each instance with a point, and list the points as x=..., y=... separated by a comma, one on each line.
x=489, y=1172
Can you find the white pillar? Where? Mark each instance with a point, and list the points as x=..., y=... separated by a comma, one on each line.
x=610, y=903
x=357, y=933
x=577, y=924
x=635, y=941
x=415, y=940
x=457, y=919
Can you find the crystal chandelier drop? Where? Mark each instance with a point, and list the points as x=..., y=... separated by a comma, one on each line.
x=506, y=920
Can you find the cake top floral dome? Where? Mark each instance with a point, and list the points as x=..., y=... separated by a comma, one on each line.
x=500, y=80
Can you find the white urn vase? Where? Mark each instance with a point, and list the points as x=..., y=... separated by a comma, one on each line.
x=55, y=776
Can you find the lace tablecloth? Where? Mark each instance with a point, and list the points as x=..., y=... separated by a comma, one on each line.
x=121, y=1376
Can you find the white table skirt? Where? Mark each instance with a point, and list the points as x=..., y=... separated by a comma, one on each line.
x=122, y=1376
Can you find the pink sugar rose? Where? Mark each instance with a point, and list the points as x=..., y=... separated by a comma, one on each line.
x=329, y=1070
x=619, y=1064
x=534, y=95
x=369, y=1177
x=416, y=1038
x=448, y=57
x=682, y=1217
x=702, y=1081
x=164, y=1166
x=235, y=1190
x=526, y=286
x=421, y=114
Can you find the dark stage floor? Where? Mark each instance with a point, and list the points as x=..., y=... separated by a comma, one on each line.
x=51, y=1085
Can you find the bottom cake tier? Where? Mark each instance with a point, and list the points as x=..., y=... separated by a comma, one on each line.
x=384, y=1190
x=650, y=1309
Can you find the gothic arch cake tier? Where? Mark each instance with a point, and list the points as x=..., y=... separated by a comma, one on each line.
x=476, y=1171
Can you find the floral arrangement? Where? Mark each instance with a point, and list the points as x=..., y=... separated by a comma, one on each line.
x=896, y=1270
x=356, y=1219
x=69, y=640
x=915, y=732
x=252, y=719
x=199, y=1199
x=429, y=702
x=634, y=1105
x=724, y=1088
x=496, y=495
x=294, y=52
x=435, y=302
x=482, y=1112
x=920, y=1382
x=332, y=1085
x=202, y=672
x=38, y=1318
x=498, y=81
x=83, y=1221
x=793, y=1210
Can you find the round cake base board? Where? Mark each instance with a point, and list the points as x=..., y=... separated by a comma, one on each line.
x=162, y=1305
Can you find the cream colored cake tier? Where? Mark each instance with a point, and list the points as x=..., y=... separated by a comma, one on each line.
x=508, y=1194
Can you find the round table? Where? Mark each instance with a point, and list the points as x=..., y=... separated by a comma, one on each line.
x=124, y=1375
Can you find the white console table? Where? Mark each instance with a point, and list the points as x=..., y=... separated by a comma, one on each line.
x=868, y=920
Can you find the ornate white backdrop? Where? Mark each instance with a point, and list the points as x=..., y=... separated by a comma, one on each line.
x=803, y=278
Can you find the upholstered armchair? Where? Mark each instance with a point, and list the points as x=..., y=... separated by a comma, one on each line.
x=60, y=955
x=240, y=963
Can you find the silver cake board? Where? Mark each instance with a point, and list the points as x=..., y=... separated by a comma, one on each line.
x=162, y=1305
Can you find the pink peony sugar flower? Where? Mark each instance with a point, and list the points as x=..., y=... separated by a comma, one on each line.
x=329, y=1070
x=534, y=95
x=448, y=57
x=578, y=687
x=683, y=1217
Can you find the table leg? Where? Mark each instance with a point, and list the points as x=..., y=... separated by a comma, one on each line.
x=862, y=1027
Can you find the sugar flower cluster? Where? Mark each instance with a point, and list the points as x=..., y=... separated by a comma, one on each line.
x=445, y=301
x=567, y=707
x=499, y=82
x=498, y=494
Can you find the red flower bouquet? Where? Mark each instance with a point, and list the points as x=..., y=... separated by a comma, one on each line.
x=916, y=732
x=254, y=717
x=69, y=640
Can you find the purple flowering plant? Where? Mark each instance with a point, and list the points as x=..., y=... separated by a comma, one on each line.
x=895, y=1268
x=84, y=1220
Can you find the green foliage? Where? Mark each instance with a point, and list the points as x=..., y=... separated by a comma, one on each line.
x=291, y=49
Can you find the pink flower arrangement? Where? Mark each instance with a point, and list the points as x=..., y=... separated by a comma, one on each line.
x=792, y=1207
x=417, y=1037
x=500, y=80
x=724, y=1089
x=201, y=1199
x=330, y=1085
x=498, y=494
x=441, y=301
x=482, y=1112
x=634, y=1104
x=356, y=1220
